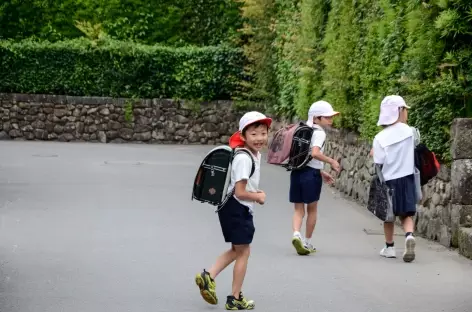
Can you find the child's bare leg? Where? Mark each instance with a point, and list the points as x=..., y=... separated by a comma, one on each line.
x=222, y=262
x=298, y=216
x=408, y=224
x=388, y=231
x=240, y=267
x=312, y=211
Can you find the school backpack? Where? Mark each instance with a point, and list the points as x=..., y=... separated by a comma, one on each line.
x=426, y=162
x=214, y=175
x=290, y=146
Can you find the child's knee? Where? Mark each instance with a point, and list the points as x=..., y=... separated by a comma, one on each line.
x=312, y=208
x=299, y=208
x=242, y=250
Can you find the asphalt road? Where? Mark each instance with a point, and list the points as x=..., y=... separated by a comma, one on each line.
x=96, y=228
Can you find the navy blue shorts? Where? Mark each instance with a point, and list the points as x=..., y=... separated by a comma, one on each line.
x=404, y=198
x=236, y=223
x=305, y=185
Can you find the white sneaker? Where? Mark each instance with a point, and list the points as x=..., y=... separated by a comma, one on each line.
x=409, y=254
x=299, y=244
x=310, y=247
x=388, y=252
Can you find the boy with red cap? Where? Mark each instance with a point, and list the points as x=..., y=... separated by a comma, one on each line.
x=236, y=215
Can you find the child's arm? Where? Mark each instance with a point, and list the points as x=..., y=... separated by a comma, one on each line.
x=378, y=153
x=318, y=140
x=241, y=170
x=317, y=154
x=327, y=177
x=241, y=193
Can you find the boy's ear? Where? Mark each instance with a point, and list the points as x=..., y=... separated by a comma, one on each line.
x=242, y=137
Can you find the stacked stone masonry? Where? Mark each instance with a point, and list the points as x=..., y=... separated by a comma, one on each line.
x=444, y=215
x=110, y=120
x=461, y=197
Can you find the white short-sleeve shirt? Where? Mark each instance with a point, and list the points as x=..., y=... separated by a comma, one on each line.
x=318, y=139
x=394, y=149
x=240, y=170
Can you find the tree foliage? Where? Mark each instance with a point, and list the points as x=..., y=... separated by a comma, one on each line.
x=170, y=22
x=353, y=53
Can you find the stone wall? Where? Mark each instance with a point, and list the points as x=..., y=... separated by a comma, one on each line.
x=461, y=177
x=98, y=119
x=435, y=220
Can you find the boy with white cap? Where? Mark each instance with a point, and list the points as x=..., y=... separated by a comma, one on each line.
x=393, y=149
x=305, y=184
x=236, y=216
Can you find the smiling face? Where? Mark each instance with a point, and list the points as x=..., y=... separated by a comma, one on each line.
x=255, y=136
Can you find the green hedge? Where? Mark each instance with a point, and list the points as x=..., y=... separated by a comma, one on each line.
x=119, y=69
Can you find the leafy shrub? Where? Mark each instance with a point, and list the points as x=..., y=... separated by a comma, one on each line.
x=120, y=69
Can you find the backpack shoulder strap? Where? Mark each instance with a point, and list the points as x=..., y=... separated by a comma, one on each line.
x=248, y=153
x=253, y=168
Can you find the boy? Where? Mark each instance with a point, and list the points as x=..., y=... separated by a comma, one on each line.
x=236, y=215
x=305, y=184
x=393, y=149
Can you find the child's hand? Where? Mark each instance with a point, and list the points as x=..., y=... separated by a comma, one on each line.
x=335, y=166
x=261, y=196
x=327, y=178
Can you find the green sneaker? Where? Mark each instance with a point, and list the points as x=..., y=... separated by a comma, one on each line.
x=239, y=304
x=300, y=246
x=207, y=287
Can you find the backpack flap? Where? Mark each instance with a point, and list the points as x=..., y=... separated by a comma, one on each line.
x=280, y=146
x=213, y=176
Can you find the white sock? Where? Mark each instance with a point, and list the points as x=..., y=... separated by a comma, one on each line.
x=296, y=233
x=308, y=240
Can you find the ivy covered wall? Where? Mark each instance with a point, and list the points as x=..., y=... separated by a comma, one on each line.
x=352, y=53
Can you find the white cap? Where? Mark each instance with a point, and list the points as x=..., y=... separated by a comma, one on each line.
x=390, y=109
x=320, y=109
x=252, y=117
x=247, y=119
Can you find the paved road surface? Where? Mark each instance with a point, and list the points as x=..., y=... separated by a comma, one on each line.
x=95, y=228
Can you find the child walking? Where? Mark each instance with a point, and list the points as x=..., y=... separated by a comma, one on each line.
x=305, y=184
x=393, y=149
x=236, y=216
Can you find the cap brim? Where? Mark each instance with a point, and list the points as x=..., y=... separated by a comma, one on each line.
x=331, y=114
x=235, y=140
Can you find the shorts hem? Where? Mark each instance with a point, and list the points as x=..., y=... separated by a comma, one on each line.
x=305, y=202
